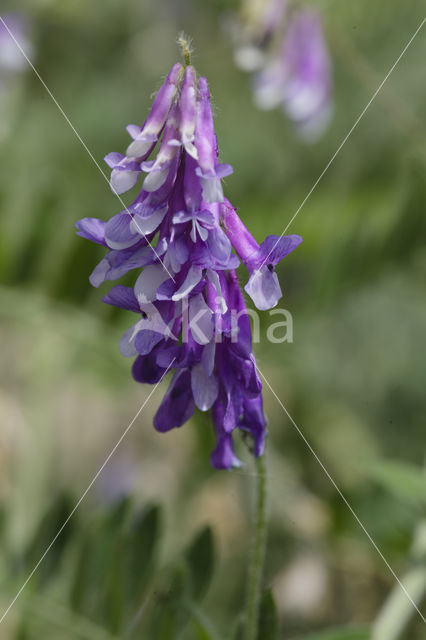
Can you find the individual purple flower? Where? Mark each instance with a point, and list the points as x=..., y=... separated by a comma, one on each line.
x=179, y=234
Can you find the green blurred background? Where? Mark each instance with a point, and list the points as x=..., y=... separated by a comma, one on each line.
x=353, y=379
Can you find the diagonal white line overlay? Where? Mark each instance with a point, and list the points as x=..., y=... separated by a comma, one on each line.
x=341, y=494
x=80, y=139
x=346, y=138
x=92, y=482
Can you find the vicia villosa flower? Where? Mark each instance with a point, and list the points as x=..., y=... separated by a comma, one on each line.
x=179, y=234
x=286, y=50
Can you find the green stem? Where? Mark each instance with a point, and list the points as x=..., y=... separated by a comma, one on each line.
x=257, y=555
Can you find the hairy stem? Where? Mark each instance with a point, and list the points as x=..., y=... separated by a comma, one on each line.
x=257, y=554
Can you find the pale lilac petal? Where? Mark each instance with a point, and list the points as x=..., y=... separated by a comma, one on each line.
x=118, y=233
x=192, y=279
x=133, y=130
x=148, y=282
x=113, y=158
x=127, y=342
x=121, y=181
x=208, y=357
x=92, y=229
x=214, y=279
x=98, y=275
x=204, y=388
x=264, y=288
x=219, y=245
x=145, y=226
x=200, y=320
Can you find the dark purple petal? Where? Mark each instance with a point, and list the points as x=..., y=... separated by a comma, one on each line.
x=146, y=340
x=223, y=455
x=146, y=370
x=177, y=405
x=253, y=421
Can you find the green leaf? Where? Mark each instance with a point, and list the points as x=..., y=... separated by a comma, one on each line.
x=268, y=620
x=140, y=552
x=48, y=529
x=405, y=481
x=200, y=560
x=98, y=585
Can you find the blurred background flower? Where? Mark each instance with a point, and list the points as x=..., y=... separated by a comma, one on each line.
x=12, y=63
x=285, y=48
x=353, y=379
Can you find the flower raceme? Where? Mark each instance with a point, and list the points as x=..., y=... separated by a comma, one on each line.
x=179, y=233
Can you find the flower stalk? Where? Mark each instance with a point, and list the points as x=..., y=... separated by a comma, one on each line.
x=257, y=559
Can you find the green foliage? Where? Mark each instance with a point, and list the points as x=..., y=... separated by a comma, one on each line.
x=339, y=634
x=200, y=561
x=114, y=576
x=403, y=480
x=268, y=621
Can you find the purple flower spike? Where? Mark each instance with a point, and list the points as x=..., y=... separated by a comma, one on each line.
x=190, y=314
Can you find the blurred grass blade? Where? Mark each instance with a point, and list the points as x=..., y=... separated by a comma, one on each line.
x=339, y=634
x=200, y=558
x=140, y=552
x=48, y=528
x=403, y=480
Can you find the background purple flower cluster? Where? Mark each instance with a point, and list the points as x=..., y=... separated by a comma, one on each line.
x=286, y=49
x=180, y=230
